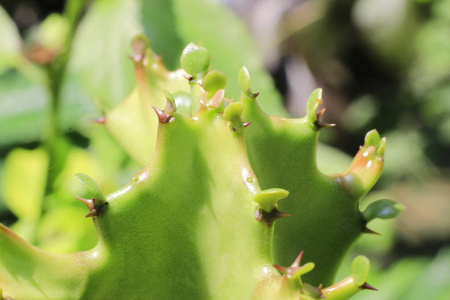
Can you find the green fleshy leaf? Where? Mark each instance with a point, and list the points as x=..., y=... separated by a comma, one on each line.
x=314, y=100
x=233, y=112
x=382, y=209
x=267, y=199
x=244, y=80
x=195, y=60
x=214, y=81
x=372, y=138
x=360, y=269
x=92, y=186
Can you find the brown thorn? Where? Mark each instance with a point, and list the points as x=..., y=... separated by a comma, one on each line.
x=163, y=118
x=88, y=202
x=100, y=120
x=255, y=95
x=367, y=286
x=188, y=77
x=320, y=113
x=92, y=213
x=370, y=231
x=320, y=125
x=246, y=124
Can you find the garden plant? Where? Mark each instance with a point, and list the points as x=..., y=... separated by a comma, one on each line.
x=230, y=203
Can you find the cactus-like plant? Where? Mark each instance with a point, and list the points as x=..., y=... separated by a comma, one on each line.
x=204, y=219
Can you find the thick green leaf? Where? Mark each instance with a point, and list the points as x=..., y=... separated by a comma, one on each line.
x=383, y=209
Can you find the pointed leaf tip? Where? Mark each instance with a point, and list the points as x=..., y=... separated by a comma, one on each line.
x=92, y=186
x=195, y=60
x=382, y=209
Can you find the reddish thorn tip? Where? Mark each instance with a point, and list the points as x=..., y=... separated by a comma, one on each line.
x=246, y=124
x=298, y=260
x=163, y=118
x=367, y=286
x=101, y=120
x=255, y=95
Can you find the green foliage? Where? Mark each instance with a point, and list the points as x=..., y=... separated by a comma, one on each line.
x=200, y=221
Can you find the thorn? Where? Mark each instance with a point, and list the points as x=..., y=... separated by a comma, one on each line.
x=246, y=124
x=255, y=95
x=297, y=261
x=370, y=231
x=189, y=78
x=92, y=213
x=367, y=286
x=320, y=125
x=100, y=120
x=295, y=270
x=271, y=217
x=320, y=113
x=163, y=118
x=88, y=202
x=95, y=212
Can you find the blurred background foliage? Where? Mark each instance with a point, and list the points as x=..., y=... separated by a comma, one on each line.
x=383, y=64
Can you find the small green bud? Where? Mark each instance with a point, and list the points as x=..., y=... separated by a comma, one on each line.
x=244, y=80
x=139, y=44
x=372, y=138
x=195, y=60
x=214, y=81
x=53, y=32
x=233, y=112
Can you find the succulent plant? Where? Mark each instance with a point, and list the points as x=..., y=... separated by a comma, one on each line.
x=203, y=219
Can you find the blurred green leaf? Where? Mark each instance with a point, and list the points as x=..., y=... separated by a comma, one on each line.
x=23, y=111
x=225, y=36
x=101, y=49
x=159, y=22
x=23, y=182
x=10, y=42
